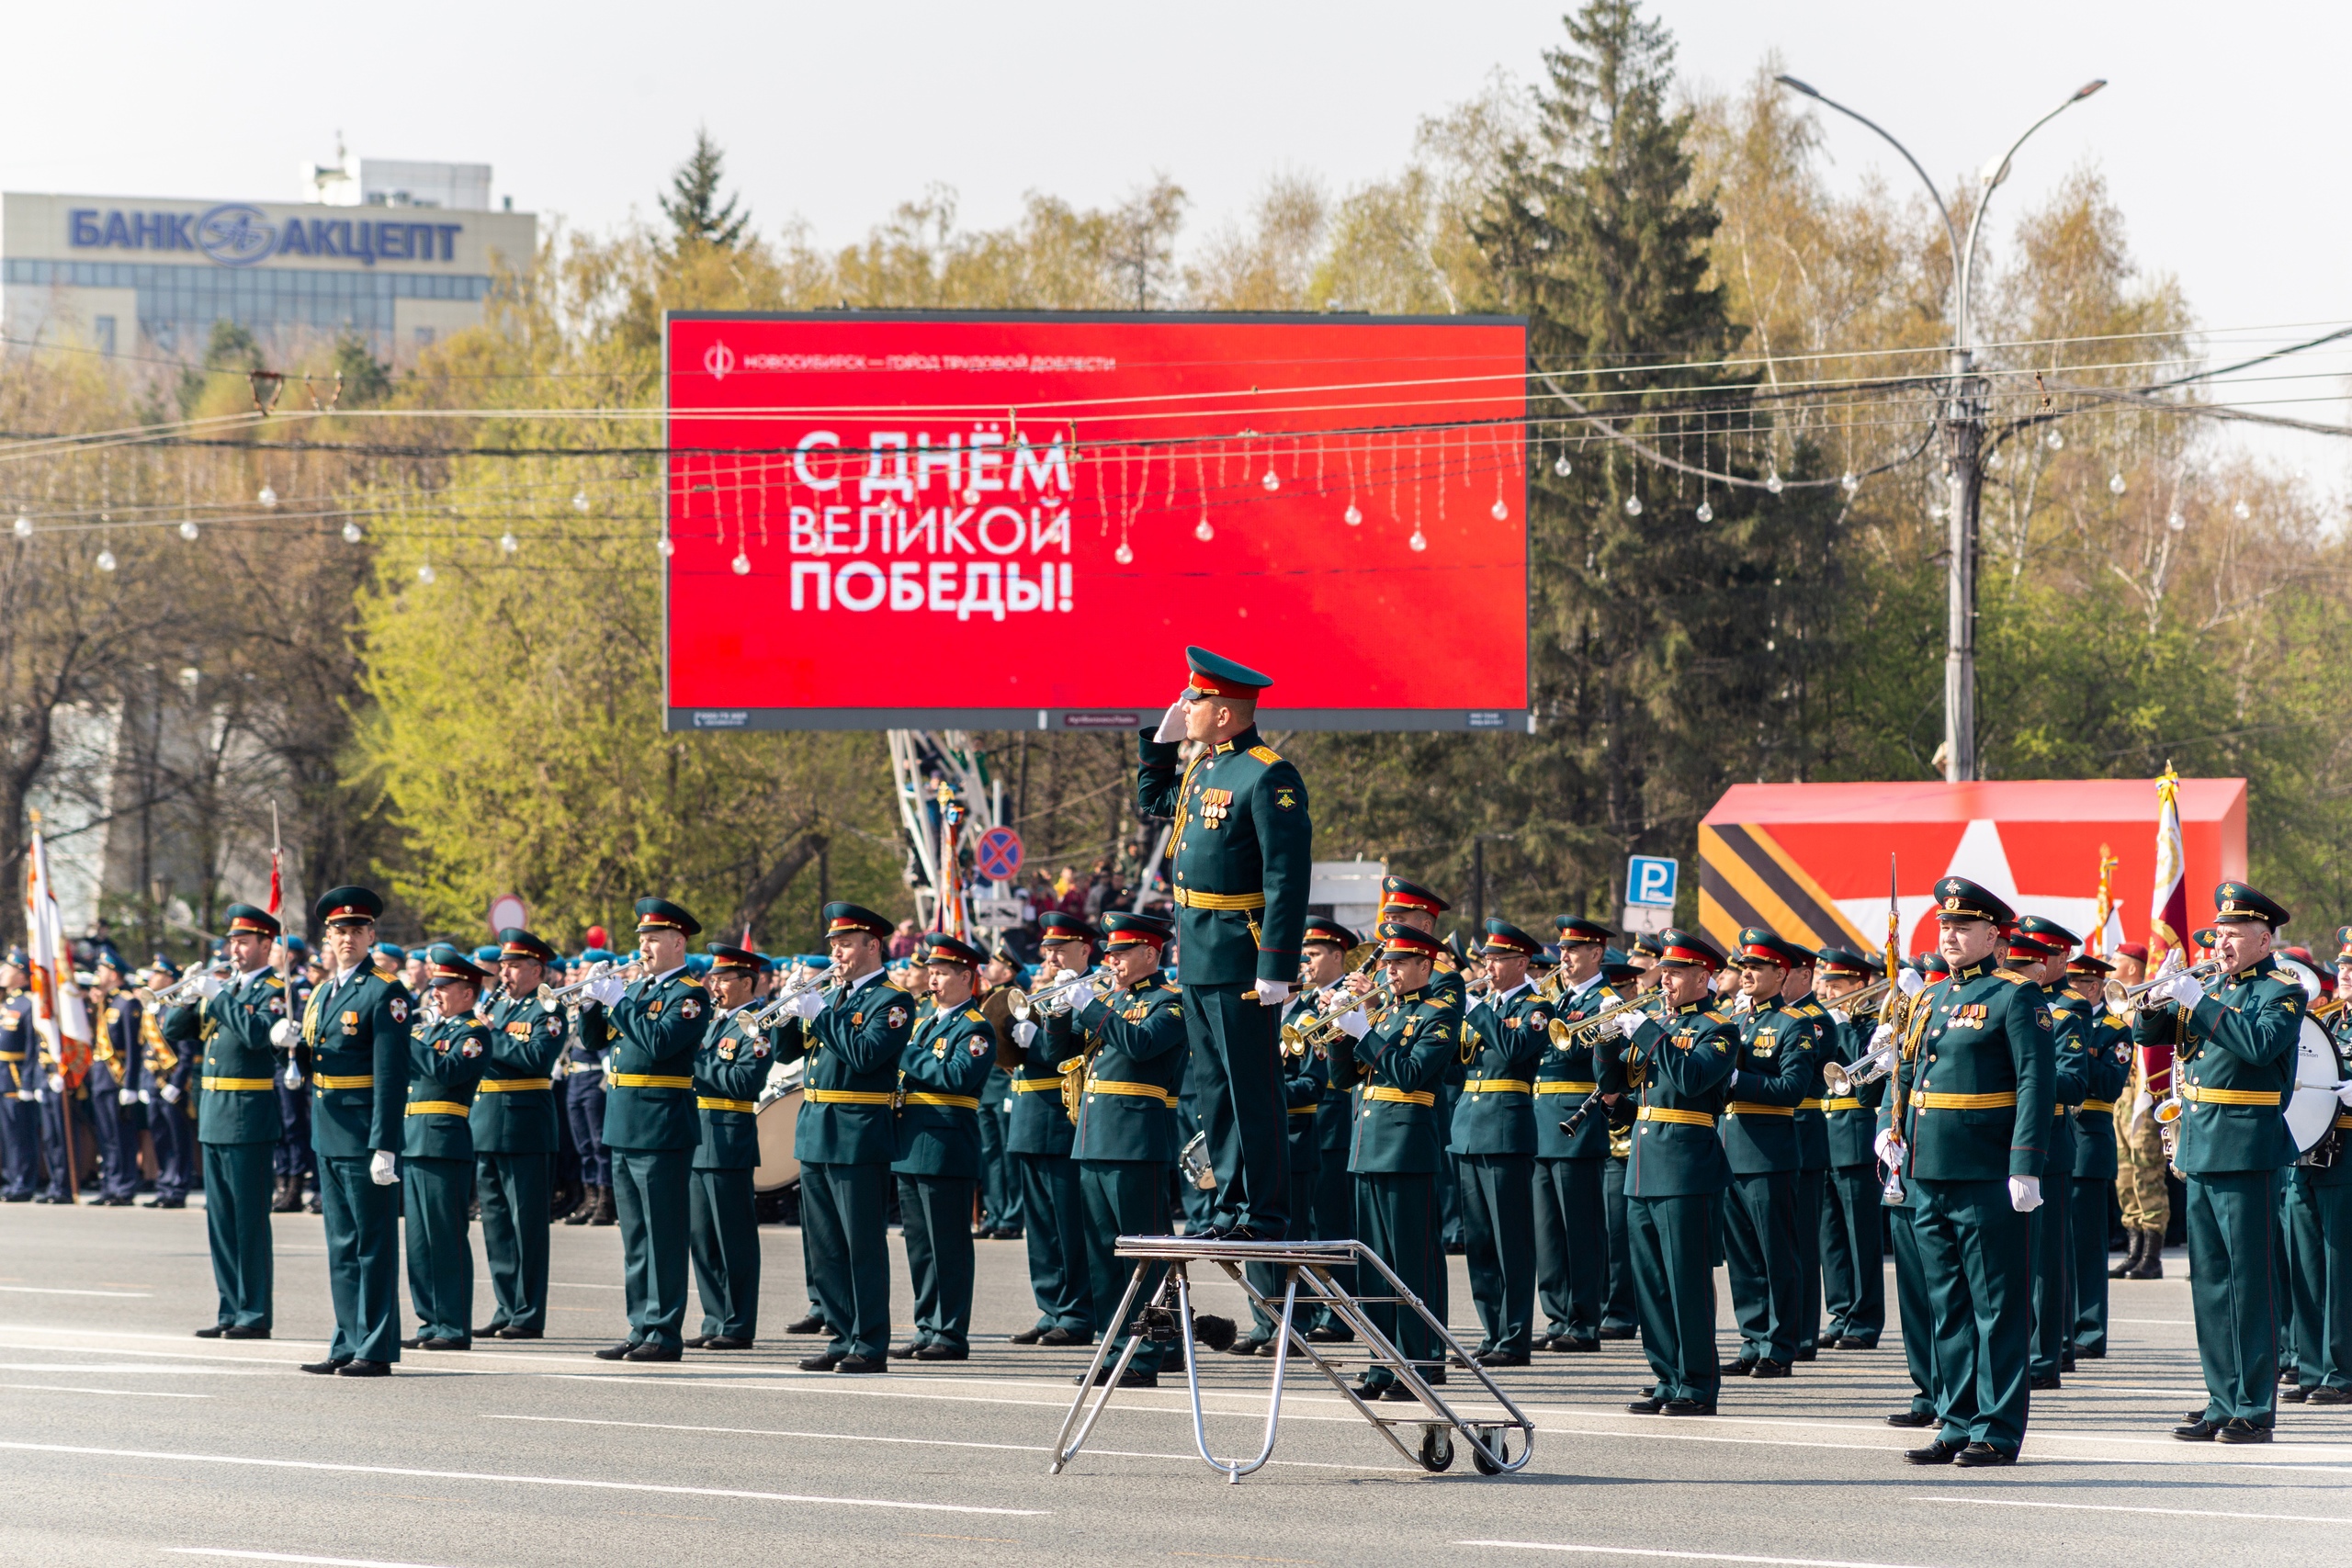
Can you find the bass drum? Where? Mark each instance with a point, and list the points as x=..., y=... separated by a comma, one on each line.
x=779, y=1111
x=2310, y=1110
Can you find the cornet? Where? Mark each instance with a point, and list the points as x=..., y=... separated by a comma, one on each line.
x=177, y=992
x=603, y=969
x=1566, y=1036
x=1052, y=1001
x=798, y=984
x=2125, y=999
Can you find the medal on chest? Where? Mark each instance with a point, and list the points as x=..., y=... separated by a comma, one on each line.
x=1215, y=805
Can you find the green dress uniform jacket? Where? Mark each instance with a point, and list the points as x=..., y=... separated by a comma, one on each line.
x=1493, y=1143
x=239, y=1103
x=1395, y=1068
x=514, y=1109
x=1680, y=1072
x=2107, y=1067
x=1305, y=1075
x=1134, y=1043
x=1771, y=1218
x=729, y=1070
x=2070, y=1083
x=941, y=1074
x=1497, y=1115
x=1242, y=841
x=445, y=1060
x=358, y=1027
x=2054, y=1222
x=723, y=1218
x=657, y=1027
x=1853, y=1118
x=853, y=1048
x=1777, y=1065
x=1040, y=1126
x=1565, y=1078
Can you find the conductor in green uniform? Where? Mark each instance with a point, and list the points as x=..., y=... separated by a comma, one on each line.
x=1776, y=1066
x=2235, y=1068
x=2107, y=1068
x=445, y=1055
x=357, y=1026
x=723, y=1212
x=1494, y=1141
x=514, y=1135
x=1242, y=842
x=237, y=1122
x=853, y=1031
x=1038, y=1143
x=937, y=1131
x=1970, y=1108
x=657, y=1022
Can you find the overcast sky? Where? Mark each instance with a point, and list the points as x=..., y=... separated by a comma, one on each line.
x=2219, y=132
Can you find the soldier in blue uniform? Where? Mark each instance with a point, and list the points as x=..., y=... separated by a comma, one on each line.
x=1571, y=1239
x=1853, y=1272
x=357, y=1027
x=2107, y=1067
x=19, y=1085
x=1971, y=1107
x=2318, y=1207
x=2038, y=949
x=115, y=1082
x=1776, y=1067
x=448, y=1051
x=513, y=1126
x=2234, y=1067
x=237, y=1123
x=657, y=1022
x=1675, y=1059
x=585, y=1051
x=1494, y=1144
x=1038, y=1143
x=1332, y=1198
x=723, y=1211
x=853, y=1031
x=941, y=1073
x=1130, y=1039
x=168, y=1037
x=1307, y=1077
x=1243, y=843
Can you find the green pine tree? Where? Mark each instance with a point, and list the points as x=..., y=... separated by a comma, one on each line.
x=696, y=214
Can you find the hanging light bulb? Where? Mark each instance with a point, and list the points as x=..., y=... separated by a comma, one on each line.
x=507, y=543
x=971, y=496
x=351, y=534
x=1420, y=540
x=1848, y=482
x=580, y=502
x=1561, y=467
x=666, y=549
x=268, y=497
x=106, y=561
x=1272, y=481
x=1633, y=506
x=2115, y=484
x=2241, y=510
x=2056, y=442
x=1204, y=533
x=24, y=526
x=2175, y=522
x=187, y=529
x=1772, y=482
x=1706, y=513
x=741, y=563
x=1352, y=515
x=424, y=572
x=1123, y=555
x=1502, y=513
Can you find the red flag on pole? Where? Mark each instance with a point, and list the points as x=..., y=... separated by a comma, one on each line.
x=276, y=858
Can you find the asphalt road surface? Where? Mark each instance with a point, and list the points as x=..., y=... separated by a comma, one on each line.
x=125, y=1442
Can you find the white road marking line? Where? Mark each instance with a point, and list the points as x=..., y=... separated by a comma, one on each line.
x=2123, y=1508
x=129, y=1366
x=284, y=1557
x=576, y=1285
x=517, y=1479
x=2171, y=1321
x=916, y=1442
x=127, y=1393
x=42, y=1291
x=1681, y=1556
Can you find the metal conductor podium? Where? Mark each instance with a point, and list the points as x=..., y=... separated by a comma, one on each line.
x=1168, y=1316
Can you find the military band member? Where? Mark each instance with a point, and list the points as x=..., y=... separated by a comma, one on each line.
x=1410, y=904
x=1494, y=1143
x=358, y=1026
x=2039, y=949
x=238, y=1125
x=2141, y=1191
x=2105, y=1064
x=1915, y=1314
x=656, y=1025
x=168, y=1039
x=1777, y=1065
x=514, y=1135
x=1243, y=841
x=1813, y=1155
x=295, y=1163
x=1001, y=1218
x=853, y=1031
x=115, y=1082
x=2318, y=1271
x=448, y=1051
x=941, y=1074
x=1132, y=1038
x=2237, y=1056
x=1332, y=1197
x=1853, y=1272
x=1307, y=1077
x=723, y=1212
x=1972, y=1093
x=585, y=1051
x=19, y=1085
x=1039, y=1145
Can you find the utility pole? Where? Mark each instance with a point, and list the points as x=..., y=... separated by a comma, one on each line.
x=1962, y=419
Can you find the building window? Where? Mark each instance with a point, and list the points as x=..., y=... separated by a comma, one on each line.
x=102, y=332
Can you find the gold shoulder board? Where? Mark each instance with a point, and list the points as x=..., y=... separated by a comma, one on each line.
x=1265, y=754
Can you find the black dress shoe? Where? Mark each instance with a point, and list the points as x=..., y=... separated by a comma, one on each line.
x=2091, y=1352
x=511, y=1332
x=1577, y=1346
x=1503, y=1359
x=2286, y=1374
x=824, y=1362
x=1649, y=1406
x=1244, y=1233
x=2326, y=1394
x=905, y=1352
x=2046, y=1380
x=812, y=1324
x=2239, y=1431
x=1625, y=1332
x=647, y=1351
x=1247, y=1345
x=1937, y=1452
x=1329, y=1334
x=1739, y=1368
x=2295, y=1395
x=1768, y=1368
x=2198, y=1431
x=861, y=1364
x=697, y=1342
x=1268, y=1348
x=1980, y=1456
x=1688, y=1408
x=1029, y=1336
x=490, y=1330
x=1828, y=1339
x=447, y=1345
x=615, y=1352
x=1011, y=1232
x=327, y=1368
x=1398, y=1394
x=936, y=1352
x=212, y=1331
x=726, y=1342
x=415, y=1344
x=1063, y=1336
x=1912, y=1418
x=359, y=1369
x=1847, y=1342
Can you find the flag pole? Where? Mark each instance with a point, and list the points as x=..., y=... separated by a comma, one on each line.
x=37, y=875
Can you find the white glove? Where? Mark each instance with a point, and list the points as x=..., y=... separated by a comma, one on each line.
x=292, y=1077
x=807, y=1005
x=2344, y=1092
x=606, y=991
x=1881, y=1038
x=144, y=1099
x=1023, y=1031
x=1353, y=1024
x=57, y=1083
x=128, y=1096
x=1273, y=993
x=380, y=1169
x=27, y=1096
x=1629, y=1022
x=1888, y=1147
x=1079, y=997
x=282, y=1034
x=2184, y=988
x=1909, y=981
x=779, y=1078
x=171, y=1094
x=209, y=987
x=1171, y=723
x=2025, y=1194
x=1840, y=1015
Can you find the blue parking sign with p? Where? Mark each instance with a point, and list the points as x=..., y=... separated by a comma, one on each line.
x=1650, y=879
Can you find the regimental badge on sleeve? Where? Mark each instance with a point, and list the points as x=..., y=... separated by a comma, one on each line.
x=896, y=1018
x=399, y=1009
x=472, y=1046
x=979, y=1045
x=690, y=1008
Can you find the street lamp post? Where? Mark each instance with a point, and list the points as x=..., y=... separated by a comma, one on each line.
x=1962, y=422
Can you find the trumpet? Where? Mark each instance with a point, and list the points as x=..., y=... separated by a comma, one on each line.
x=2125, y=999
x=1052, y=1000
x=1842, y=1078
x=1337, y=1002
x=1566, y=1036
x=798, y=984
x=177, y=992
x=603, y=969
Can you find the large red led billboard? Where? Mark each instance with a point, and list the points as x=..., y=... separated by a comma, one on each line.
x=932, y=519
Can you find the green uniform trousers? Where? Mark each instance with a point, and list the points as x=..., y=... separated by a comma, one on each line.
x=2319, y=1280
x=723, y=1235
x=434, y=1195
x=1620, y=1308
x=1396, y=1217
x=515, y=1209
x=1334, y=1219
x=2086, y=1244
x=935, y=1218
x=1238, y=1092
x=1672, y=1242
x=1449, y=1169
x=1571, y=1245
x=649, y=1199
x=2053, y=1294
x=1810, y=1186
x=1498, y=1234
x=1760, y=1244
x=846, y=1238
x=236, y=1221
x=1915, y=1317
x=1976, y=1261
x=1123, y=1197
x=1853, y=1263
x=362, y=1236
x=1054, y=1227
x=2233, y=1266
